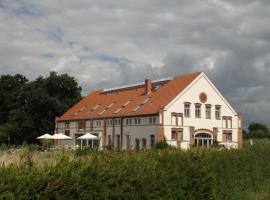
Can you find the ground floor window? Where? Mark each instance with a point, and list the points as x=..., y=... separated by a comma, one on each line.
x=128, y=142
x=203, y=139
x=152, y=141
x=67, y=132
x=137, y=143
x=144, y=143
x=174, y=135
x=109, y=139
x=118, y=141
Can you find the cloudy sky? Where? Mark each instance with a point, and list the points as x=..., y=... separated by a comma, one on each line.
x=110, y=43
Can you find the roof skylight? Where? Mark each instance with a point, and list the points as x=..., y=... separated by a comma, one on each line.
x=141, y=105
x=95, y=107
x=102, y=112
x=118, y=110
x=109, y=106
x=126, y=103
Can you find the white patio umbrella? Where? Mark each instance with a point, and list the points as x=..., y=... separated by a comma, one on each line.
x=60, y=136
x=88, y=136
x=45, y=136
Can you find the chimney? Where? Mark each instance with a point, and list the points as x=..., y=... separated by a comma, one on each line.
x=148, y=86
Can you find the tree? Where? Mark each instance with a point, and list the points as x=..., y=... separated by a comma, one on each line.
x=37, y=104
x=257, y=130
x=9, y=86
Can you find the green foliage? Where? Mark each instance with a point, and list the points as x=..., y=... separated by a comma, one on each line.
x=257, y=130
x=31, y=107
x=162, y=144
x=152, y=174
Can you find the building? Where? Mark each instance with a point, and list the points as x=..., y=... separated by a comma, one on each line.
x=185, y=110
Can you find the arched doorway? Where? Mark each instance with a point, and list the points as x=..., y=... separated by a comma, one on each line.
x=203, y=139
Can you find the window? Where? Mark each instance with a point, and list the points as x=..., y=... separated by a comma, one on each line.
x=109, y=139
x=218, y=111
x=98, y=123
x=174, y=120
x=128, y=142
x=226, y=136
x=187, y=109
x=137, y=121
x=67, y=125
x=229, y=137
x=144, y=143
x=118, y=141
x=152, y=140
x=128, y=121
x=208, y=111
x=67, y=132
x=198, y=110
x=81, y=125
x=137, y=143
x=152, y=120
x=109, y=122
x=174, y=135
x=117, y=122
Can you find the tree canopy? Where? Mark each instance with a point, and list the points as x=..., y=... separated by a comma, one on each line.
x=29, y=108
x=257, y=130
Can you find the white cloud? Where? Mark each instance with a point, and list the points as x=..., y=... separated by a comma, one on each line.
x=109, y=43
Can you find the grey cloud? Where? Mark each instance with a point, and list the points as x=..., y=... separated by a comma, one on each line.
x=109, y=43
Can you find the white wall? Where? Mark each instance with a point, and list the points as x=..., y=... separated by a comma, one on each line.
x=142, y=130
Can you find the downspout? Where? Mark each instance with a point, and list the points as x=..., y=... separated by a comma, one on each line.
x=121, y=133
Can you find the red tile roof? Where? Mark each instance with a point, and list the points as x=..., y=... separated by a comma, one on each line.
x=105, y=103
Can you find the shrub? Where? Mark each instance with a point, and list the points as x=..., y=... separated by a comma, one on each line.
x=164, y=174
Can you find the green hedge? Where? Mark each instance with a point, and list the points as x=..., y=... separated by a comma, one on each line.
x=155, y=174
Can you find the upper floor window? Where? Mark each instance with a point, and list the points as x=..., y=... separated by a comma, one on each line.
x=152, y=120
x=218, y=111
x=128, y=121
x=81, y=125
x=187, y=109
x=208, y=111
x=98, y=123
x=67, y=125
x=137, y=121
x=198, y=110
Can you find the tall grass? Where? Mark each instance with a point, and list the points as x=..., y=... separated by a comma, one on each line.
x=153, y=174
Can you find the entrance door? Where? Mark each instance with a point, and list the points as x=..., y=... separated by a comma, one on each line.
x=203, y=140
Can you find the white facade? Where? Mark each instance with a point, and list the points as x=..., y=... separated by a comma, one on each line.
x=191, y=95
x=180, y=128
